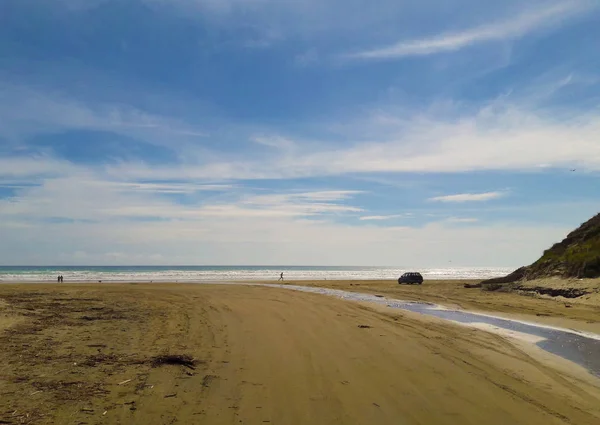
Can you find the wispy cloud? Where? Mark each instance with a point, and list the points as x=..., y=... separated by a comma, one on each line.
x=170, y=187
x=27, y=168
x=468, y=197
x=26, y=112
x=509, y=29
x=280, y=210
x=276, y=142
x=85, y=195
x=273, y=239
x=381, y=217
x=299, y=204
x=101, y=217
x=462, y=220
x=499, y=136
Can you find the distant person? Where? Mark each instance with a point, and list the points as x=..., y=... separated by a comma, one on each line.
x=62, y=278
x=280, y=277
x=58, y=279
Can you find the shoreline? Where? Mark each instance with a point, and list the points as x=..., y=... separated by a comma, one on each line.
x=241, y=281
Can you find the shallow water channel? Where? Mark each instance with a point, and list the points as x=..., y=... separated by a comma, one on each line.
x=578, y=347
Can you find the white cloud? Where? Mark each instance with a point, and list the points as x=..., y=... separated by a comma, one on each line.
x=509, y=29
x=462, y=220
x=86, y=196
x=320, y=196
x=293, y=204
x=276, y=240
x=171, y=187
x=499, y=136
x=285, y=210
x=381, y=217
x=468, y=197
x=141, y=226
x=505, y=134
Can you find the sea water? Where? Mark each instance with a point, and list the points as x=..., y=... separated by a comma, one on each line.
x=233, y=273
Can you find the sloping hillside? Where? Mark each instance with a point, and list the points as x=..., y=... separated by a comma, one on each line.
x=578, y=255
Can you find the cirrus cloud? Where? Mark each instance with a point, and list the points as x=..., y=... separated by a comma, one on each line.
x=468, y=197
x=512, y=28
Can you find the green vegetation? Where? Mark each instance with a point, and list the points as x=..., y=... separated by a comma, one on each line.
x=578, y=255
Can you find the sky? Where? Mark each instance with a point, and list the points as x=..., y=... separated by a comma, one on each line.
x=427, y=133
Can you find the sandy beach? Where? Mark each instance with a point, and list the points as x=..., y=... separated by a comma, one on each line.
x=229, y=354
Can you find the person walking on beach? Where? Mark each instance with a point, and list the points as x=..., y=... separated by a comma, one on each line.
x=58, y=279
x=280, y=277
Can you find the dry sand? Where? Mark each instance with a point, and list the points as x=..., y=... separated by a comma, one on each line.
x=78, y=354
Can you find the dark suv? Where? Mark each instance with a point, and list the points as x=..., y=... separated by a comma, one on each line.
x=411, y=278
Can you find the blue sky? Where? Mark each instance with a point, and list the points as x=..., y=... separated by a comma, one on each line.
x=409, y=133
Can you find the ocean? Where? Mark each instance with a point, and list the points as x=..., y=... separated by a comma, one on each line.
x=231, y=273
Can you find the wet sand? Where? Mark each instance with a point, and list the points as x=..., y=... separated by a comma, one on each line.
x=87, y=354
x=582, y=313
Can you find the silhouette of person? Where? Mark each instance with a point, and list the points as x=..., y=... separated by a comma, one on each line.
x=280, y=277
x=58, y=279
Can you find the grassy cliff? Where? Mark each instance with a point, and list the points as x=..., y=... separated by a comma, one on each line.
x=578, y=255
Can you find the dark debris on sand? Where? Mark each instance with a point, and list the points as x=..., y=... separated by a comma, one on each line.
x=174, y=359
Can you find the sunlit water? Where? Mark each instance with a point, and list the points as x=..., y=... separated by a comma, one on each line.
x=236, y=273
